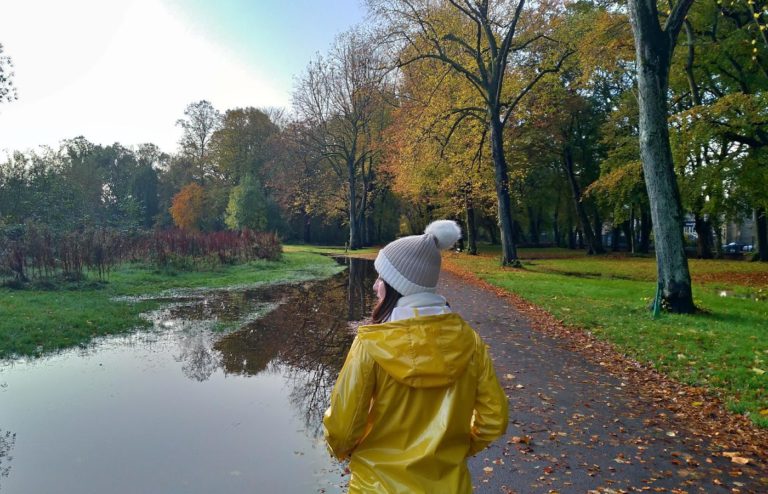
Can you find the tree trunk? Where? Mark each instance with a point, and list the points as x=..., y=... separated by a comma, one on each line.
x=653, y=47
x=626, y=228
x=365, y=224
x=533, y=226
x=598, y=229
x=704, y=237
x=645, y=230
x=307, y=223
x=362, y=219
x=615, y=236
x=571, y=236
x=631, y=237
x=492, y=226
x=595, y=246
x=471, y=226
x=718, y=237
x=518, y=236
x=362, y=223
x=555, y=227
x=370, y=228
x=508, y=248
x=762, y=234
x=354, y=233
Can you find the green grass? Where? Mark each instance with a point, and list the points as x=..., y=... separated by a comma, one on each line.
x=332, y=250
x=294, y=266
x=724, y=347
x=34, y=322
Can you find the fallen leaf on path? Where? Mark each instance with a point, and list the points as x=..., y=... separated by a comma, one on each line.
x=520, y=439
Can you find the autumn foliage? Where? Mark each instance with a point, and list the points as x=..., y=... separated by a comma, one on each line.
x=187, y=207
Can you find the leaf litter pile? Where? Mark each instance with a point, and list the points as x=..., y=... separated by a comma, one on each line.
x=684, y=438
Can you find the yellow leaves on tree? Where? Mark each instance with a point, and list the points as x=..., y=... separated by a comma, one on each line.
x=187, y=207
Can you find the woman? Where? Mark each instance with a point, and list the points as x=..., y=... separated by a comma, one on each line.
x=417, y=394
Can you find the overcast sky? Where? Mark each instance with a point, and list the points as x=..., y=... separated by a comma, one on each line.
x=124, y=70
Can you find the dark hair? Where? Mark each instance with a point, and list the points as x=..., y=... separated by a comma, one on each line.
x=386, y=305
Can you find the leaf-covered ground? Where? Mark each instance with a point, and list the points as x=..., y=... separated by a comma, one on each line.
x=585, y=417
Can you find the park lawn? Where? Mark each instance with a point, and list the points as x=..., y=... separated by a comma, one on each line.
x=35, y=322
x=724, y=347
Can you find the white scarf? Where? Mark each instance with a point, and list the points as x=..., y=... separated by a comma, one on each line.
x=419, y=304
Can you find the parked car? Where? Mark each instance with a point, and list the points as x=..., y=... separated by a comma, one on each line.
x=748, y=248
x=733, y=248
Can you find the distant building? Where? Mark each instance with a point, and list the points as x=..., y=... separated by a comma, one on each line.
x=689, y=226
x=742, y=232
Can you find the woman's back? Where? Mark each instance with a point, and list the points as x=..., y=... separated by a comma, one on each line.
x=423, y=378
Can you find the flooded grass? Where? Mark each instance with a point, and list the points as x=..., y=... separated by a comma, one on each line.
x=36, y=322
x=183, y=408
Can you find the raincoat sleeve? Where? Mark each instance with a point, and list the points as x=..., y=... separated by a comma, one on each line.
x=491, y=410
x=345, y=420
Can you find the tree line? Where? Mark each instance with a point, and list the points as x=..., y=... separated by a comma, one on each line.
x=529, y=122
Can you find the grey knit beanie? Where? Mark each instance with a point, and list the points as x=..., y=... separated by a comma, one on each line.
x=412, y=264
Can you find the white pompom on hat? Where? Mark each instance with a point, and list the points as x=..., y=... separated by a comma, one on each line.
x=412, y=264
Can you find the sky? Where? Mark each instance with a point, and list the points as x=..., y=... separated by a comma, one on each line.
x=124, y=70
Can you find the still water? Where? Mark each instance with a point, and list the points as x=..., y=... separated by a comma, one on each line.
x=185, y=409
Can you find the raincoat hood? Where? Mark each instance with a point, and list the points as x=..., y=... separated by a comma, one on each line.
x=421, y=352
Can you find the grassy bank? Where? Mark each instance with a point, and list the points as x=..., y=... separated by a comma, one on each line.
x=367, y=252
x=39, y=321
x=724, y=348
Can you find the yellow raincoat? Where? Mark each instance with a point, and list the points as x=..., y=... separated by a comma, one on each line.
x=414, y=399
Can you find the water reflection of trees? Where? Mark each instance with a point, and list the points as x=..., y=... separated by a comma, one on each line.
x=307, y=337
x=7, y=442
x=199, y=359
x=193, y=321
x=359, y=291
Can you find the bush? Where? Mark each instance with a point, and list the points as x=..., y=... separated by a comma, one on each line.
x=34, y=253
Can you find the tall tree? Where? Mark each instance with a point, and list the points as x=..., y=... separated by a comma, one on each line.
x=200, y=121
x=145, y=188
x=437, y=156
x=719, y=93
x=7, y=89
x=247, y=207
x=85, y=175
x=240, y=144
x=654, y=45
x=295, y=179
x=481, y=49
x=187, y=207
x=340, y=99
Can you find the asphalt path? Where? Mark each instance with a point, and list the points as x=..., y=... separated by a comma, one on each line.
x=576, y=429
